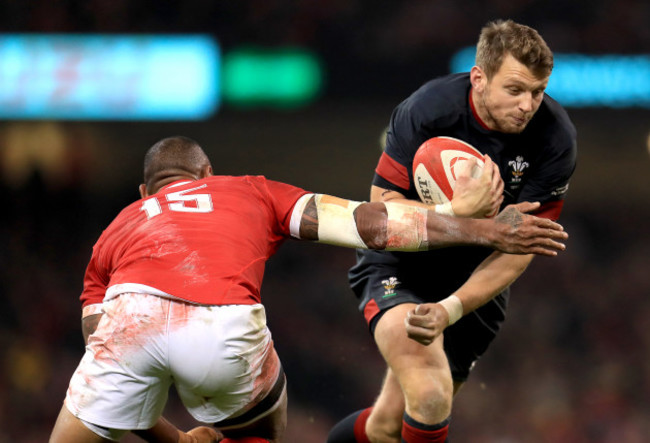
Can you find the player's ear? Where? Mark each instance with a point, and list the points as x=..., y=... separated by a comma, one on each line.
x=206, y=171
x=478, y=79
x=143, y=191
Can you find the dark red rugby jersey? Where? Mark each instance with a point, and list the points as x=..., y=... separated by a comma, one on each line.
x=204, y=241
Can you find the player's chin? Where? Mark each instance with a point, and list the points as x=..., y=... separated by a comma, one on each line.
x=513, y=128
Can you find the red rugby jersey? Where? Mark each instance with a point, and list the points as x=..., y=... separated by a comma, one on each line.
x=204, y=241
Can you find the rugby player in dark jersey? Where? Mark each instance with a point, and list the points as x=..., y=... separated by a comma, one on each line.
x=433, y=314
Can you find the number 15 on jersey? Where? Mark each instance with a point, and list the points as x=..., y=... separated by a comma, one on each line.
x=180, y=201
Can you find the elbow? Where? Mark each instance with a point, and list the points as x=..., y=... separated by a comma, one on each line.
x=372, y=222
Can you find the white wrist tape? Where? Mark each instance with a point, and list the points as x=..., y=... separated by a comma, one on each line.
x=454, y=308
x=406, y=227
x=336, y=224
x=445, y=209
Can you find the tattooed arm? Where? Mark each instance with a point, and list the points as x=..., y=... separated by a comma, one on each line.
x=394, y=226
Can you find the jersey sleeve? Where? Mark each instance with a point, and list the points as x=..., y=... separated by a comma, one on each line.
x=282, y=198
x=551, y=182
x=392, y=171
x=424, y=114
x=95, y=282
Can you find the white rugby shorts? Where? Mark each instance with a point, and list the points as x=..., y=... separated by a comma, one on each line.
x=220, y=358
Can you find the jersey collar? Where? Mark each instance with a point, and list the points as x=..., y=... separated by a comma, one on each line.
x=174, y=184
x=474, y=113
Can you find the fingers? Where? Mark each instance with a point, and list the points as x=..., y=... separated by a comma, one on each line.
x=425, y=323
x=421, y=335
x=497, y=182
x=488, y=170
x=548, y=224
x=419, y=328
x=548, y=244
x=527, y=206
x=421, y=310
x=418, y=317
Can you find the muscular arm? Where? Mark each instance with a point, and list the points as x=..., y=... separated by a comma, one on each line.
x=394, y=226
x=427, y=321
x=492, y=276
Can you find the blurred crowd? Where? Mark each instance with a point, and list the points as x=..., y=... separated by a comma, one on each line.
x=368, y=47
x=573, y=361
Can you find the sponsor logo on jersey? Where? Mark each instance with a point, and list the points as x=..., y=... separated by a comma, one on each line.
x=561, y=190
x=389, y=286
x=518, y=166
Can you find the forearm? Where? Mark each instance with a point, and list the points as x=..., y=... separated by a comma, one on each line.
x=398, y=227
x=491, y=277
x=89, y=325
x=378, y=194
x=386, y=225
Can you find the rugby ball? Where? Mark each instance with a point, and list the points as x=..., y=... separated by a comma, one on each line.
x=437, y=164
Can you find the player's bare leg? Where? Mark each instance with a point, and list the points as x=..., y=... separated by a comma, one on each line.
x=422, y=373
x=270, y=427
x=165, y=432
x=385, y=421
x=69, y=429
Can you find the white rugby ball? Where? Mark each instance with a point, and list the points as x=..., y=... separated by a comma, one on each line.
x=438, y=163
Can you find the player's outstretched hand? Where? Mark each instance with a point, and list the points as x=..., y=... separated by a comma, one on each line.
x=202, y=434
x=521, y=233
x=481, y=196
x=426, y=322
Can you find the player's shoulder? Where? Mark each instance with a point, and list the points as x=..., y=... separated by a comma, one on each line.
x=557, y=121
x=235, y=181
x=447, y=87
x=440, y=96
x=265, y=187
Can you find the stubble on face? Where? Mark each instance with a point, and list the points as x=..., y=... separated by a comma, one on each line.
x=511, y=97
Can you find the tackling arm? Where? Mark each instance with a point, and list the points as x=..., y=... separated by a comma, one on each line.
x=394, y=226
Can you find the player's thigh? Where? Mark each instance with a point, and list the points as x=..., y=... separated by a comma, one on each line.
x=269, y=422
x=423, y=371
x=401, y=352
x=222, y=360
x=70, y=429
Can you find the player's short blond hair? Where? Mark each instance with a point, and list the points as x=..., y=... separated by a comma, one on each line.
x=501, y=37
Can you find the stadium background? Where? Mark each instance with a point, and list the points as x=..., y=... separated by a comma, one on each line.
x=573, y=361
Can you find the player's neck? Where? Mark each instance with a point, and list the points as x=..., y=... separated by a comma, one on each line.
x=478, y=109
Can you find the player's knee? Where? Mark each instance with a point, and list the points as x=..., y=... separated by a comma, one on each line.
x=431, y=403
